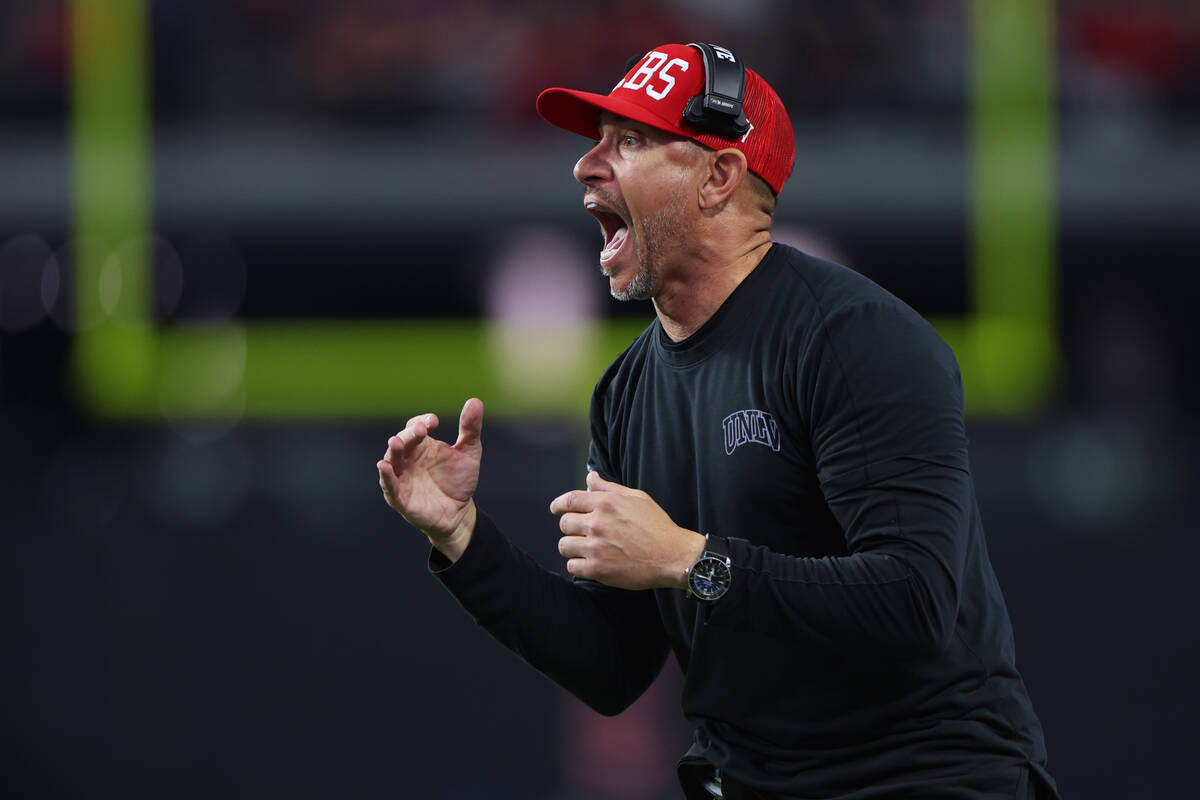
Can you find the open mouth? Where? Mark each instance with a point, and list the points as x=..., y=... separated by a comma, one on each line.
x=614, y=227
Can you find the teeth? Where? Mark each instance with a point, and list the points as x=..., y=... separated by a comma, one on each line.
x=610, y=250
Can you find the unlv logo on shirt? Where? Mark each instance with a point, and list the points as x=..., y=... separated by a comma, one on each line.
x=750, y=426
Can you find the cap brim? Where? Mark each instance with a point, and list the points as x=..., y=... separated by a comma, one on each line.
x=579, y=112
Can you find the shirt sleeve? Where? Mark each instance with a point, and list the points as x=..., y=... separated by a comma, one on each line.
x=882, y=399
x=603, y=645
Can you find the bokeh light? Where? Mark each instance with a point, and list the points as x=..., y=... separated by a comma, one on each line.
x=542, y=304
x=23, y=261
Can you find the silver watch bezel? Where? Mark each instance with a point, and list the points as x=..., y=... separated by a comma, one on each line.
x=719, y=558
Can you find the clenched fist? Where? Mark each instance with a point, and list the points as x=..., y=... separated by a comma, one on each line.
x=620, y=537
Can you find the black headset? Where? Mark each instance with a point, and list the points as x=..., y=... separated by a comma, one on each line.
x=719, y=109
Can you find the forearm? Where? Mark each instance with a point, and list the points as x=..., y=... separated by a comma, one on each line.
x=896, y=592
x=605, y=646
x=874, y=603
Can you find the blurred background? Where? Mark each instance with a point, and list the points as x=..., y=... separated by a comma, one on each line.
x=242, y=241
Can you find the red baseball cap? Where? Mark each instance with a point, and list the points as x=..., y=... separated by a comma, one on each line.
x=655, y=92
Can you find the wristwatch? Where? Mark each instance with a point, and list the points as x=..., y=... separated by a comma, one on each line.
x=709, y=578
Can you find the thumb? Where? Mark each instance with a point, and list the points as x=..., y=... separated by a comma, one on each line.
x=470, y=425
x=597, y=484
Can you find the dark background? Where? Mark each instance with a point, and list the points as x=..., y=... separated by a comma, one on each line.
x=229, y=609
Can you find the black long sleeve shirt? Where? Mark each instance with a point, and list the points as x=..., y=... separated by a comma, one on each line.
x=813, y=428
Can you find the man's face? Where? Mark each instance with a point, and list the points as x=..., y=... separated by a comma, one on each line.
x=641, y=186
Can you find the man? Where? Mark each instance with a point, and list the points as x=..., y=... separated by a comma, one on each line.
x=778, y=488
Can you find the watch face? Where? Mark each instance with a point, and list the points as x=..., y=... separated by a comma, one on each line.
x=709, y=578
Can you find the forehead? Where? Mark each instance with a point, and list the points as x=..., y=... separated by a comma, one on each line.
x=608, y=119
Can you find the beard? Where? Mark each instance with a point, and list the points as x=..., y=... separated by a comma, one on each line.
x=660, y=235
x=642, y=286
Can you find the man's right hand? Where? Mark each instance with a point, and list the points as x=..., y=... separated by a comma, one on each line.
x=431, y=483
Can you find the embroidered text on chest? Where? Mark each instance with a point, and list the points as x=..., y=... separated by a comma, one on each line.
x=750, y=425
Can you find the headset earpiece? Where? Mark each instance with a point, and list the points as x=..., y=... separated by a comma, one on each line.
x=719, y=109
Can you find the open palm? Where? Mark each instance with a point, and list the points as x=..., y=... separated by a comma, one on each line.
x=428, y=481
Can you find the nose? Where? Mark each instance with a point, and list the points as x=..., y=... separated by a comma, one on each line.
x=593, y=167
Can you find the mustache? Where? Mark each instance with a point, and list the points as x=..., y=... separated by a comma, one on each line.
x=605, y=199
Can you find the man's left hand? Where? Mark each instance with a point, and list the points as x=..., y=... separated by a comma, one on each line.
x=621, y=537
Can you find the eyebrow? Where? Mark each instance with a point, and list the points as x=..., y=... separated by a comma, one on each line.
x=605, y=117
x=608, y=117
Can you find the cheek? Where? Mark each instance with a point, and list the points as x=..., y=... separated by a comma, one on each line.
x=674, y=183
x=657, y=201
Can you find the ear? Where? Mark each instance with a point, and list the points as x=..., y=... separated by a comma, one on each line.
x=726, y=171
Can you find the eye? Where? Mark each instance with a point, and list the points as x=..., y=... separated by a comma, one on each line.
x=629, y=139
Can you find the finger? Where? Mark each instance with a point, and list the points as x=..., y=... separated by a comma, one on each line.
x=576, y=500
x=578, y=567
x=572, y=524
x=572, y=546
x=396, y=443
x=430, y=421
x=595, y=483
x=402, y=444
x=470, y=424
x=397, y=448
x=387, y=478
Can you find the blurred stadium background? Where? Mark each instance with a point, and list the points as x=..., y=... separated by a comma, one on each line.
x=241, y=241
